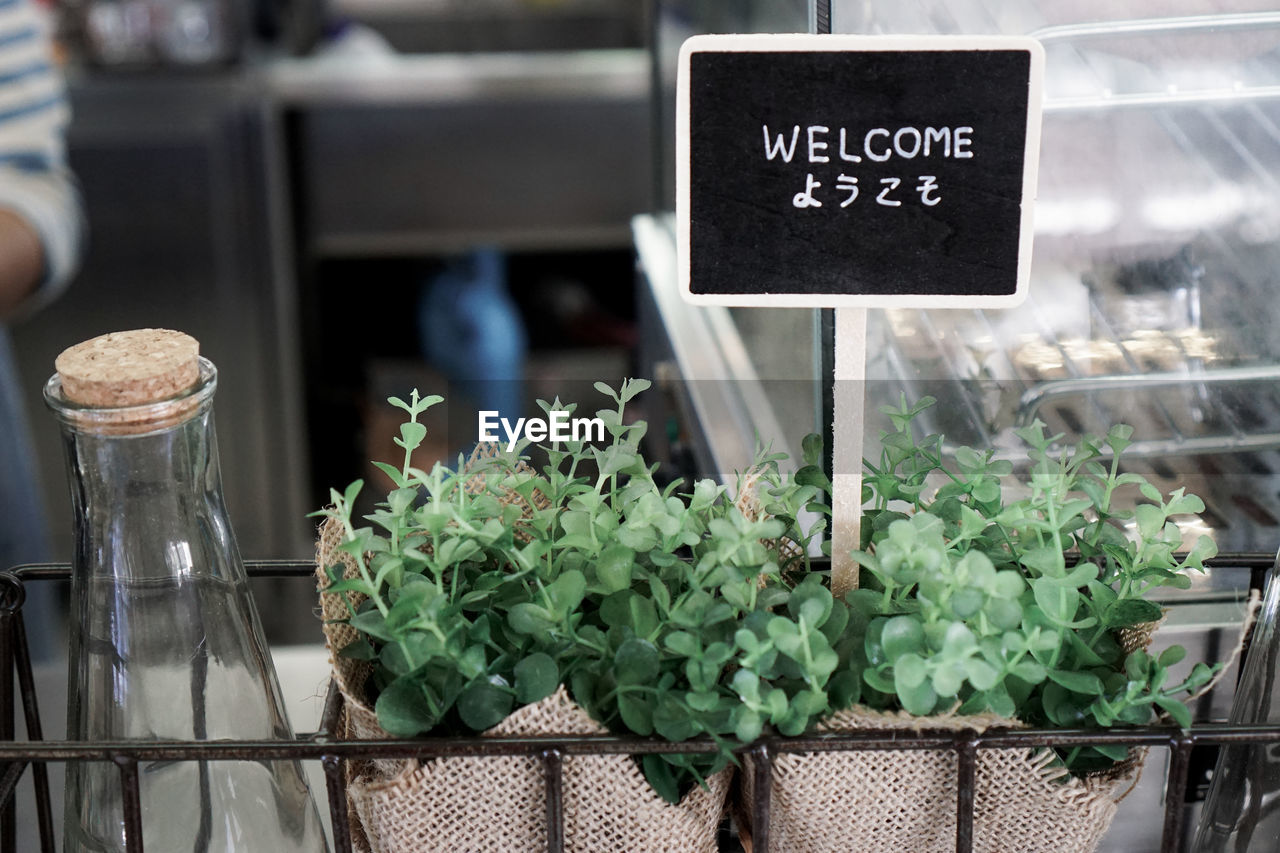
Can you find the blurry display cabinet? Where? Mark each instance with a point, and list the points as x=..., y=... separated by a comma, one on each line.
x=1155, y=253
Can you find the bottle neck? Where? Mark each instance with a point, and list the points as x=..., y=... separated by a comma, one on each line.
x=145, y=488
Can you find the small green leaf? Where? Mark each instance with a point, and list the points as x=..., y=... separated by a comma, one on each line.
x=568, y=590
x=411, y=435
x=902, y=634
x=485, y=703
x=607, y=391
x=909, y=671
x=1030, y=671
x=1000, y=702
x=1118, y=437
x=530, y=619
x=809, y=703
x=636, y=662
x=632, y=387
x=351, y=585
x=967, y=601
x=1150, y=520
x=373, y=623
x=1057, y=602
x=748, y=724
x=403, y=710
x=685, y=644
x=536, y=678
x=1180, y=503
x=1111, y=751
x=1175, y=709
x=358, y=650
x=877, y=680
x=636, y=713
x=1044, y=561
x=661, y=777
x=1132, y=611
x=845, y=689
x=1077, y=682
x=811, y=448
x=982, y=675
x=614, y=566
x=959, y=640
x=986, y=490
x=812, y=475
x=948, y=679
x=919, y=700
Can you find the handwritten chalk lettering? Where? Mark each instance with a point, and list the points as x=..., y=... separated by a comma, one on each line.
x=848, y=184
x=891, y=184
x=816, y=145
x=806, y=199
x=780, y=146
x=940, y=135
x=844, y=148
x=926, y=186
x=866, y=145
x=879, y=144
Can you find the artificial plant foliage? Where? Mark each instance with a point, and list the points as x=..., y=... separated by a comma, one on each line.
x=483, y=587
x=686, y=611
x=984, y=591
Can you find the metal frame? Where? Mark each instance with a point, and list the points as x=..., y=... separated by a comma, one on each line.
x=331, y=750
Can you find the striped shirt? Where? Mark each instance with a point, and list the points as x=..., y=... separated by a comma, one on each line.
x=34, y=179
x=35, y=183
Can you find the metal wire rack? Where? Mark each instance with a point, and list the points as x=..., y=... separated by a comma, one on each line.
x=325, y=746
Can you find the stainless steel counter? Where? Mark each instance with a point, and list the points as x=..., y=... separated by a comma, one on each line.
x=409, y=155
x=429, y=79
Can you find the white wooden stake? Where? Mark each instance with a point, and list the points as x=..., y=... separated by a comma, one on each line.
x=846, y=451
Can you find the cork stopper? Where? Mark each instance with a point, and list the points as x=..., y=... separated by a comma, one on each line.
x=132, y=368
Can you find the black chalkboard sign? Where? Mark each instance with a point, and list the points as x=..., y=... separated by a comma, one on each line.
x=856, y=170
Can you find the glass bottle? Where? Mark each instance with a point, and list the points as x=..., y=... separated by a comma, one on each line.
x=1240, y=814
x=165, y=641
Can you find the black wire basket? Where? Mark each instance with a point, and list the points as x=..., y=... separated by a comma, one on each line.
x=327, y=747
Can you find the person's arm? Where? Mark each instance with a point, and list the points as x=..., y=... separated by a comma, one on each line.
x=21, y=261
x=41, y=221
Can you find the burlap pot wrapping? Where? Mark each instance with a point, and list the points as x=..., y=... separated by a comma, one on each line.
x=499, y=804
x=900, y=800
x=896, y=801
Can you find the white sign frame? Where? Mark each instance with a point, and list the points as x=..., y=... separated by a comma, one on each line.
x=792, y=42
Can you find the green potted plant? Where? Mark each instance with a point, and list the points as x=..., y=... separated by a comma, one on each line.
x=578, y=598
x=993, y=600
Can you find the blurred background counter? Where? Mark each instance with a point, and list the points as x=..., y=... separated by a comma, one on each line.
x=286, y=209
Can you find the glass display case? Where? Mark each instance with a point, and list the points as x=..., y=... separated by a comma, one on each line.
x=1154, y=253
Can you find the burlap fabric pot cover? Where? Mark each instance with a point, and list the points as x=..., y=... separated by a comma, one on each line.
x=886, y=801
x=897, y=801
x=498, y=804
